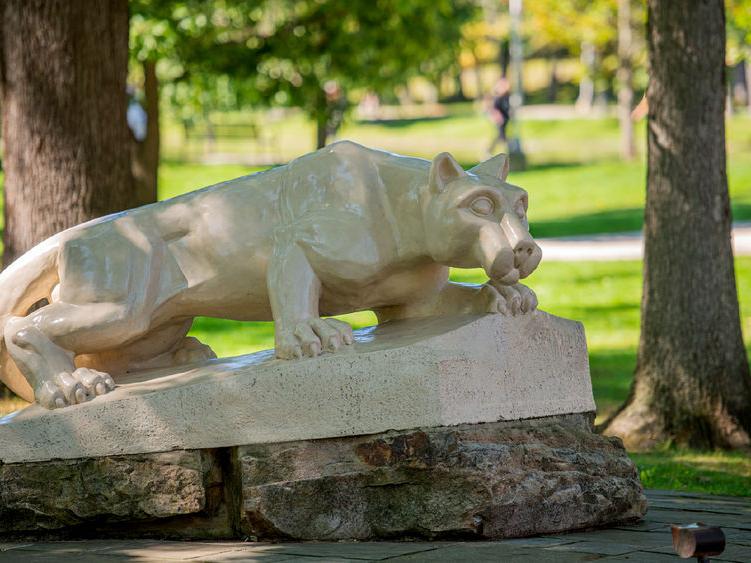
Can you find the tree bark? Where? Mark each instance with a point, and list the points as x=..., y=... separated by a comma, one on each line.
x=692, y=385
x=321, y=118
x=67, y=144
x=552, y=91
x=145, y=162
x=624, y=76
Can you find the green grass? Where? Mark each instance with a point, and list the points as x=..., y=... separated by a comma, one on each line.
x=719, y=473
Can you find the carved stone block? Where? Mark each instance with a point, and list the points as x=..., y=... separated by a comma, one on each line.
x=407, y=374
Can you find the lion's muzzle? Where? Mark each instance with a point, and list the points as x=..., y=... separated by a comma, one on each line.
x=506, y=251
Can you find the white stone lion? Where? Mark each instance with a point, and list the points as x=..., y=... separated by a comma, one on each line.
x=343, y=229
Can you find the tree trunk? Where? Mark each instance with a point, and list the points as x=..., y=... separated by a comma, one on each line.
x=146, y=153
x=692, y=385
x=67, y=144
x=586, y=98
x=624, y=75
x=322, y=134
x=477, y=72
x=459, y=94
x=321, y=117
x=552, y=91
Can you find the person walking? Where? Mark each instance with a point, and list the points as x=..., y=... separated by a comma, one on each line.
x=500, y=112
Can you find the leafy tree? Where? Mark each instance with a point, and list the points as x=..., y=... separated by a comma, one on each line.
x=692, y=385
x=739, y=39
x=285, y=52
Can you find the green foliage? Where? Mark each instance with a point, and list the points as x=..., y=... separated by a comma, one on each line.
x=283, y=52
x=738, y=15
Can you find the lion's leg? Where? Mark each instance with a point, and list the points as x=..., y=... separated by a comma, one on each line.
x=452, y=299
x=165, y=346
x=294, y=292
x=44, y=345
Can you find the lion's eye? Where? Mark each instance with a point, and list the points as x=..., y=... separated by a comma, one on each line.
x=482, y=206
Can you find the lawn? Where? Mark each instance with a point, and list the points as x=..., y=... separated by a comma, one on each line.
x=577, y=185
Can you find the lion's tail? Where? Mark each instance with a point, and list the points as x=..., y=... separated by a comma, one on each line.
x=24, y=285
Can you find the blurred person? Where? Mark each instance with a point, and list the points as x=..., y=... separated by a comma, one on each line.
x=336, y=105
x=641, y=109
x=370, y=106
x=500, y=112
x=136, y=115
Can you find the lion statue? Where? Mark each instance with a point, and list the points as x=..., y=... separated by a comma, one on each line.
x=343, y=229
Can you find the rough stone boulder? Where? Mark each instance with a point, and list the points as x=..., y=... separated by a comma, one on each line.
x=493, y=480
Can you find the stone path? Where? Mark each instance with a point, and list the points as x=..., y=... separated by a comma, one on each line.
x=622, y=246
x=645, y=541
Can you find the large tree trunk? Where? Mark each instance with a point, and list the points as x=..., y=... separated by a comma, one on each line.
x=67, y=144
x=146, y=152
x=624, y=75
x=692, y=383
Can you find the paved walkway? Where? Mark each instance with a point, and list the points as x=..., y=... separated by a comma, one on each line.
x=622, y=246
x=645, y=541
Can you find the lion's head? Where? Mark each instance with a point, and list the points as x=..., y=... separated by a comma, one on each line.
x=476, y=218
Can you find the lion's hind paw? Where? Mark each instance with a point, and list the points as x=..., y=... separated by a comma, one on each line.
x=66, y=389
x=191, y=351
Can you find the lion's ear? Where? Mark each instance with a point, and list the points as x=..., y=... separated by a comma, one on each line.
x=444, y=169
x=497, y=167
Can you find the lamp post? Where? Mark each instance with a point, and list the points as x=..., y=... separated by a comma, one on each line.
x=518, y=159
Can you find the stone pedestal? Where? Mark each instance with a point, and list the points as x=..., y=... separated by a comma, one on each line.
x=493, y=480
x=463, y=426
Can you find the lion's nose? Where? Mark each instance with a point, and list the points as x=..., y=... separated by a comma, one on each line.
x=522, y=251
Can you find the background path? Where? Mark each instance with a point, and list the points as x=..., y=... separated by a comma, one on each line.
x=623, y=246
x=646, y=541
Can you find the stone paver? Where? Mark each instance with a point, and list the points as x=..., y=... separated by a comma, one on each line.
x=646, y=541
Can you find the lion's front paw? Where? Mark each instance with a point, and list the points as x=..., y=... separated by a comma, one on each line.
x=66, y=389
x=513, y=300
x=311, y=337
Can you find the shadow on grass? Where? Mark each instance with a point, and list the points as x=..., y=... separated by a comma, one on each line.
x=405, y=122
x=539, y=167
x=614, y=221
x=612, y=372
x=741, y=212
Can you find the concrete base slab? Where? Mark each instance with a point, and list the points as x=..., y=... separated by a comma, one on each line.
x=418, y=373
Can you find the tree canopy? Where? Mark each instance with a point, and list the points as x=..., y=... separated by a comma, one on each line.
x=285, y=51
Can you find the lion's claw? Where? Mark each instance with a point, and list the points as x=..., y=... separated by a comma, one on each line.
x=514, y=299
x=311, y=337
